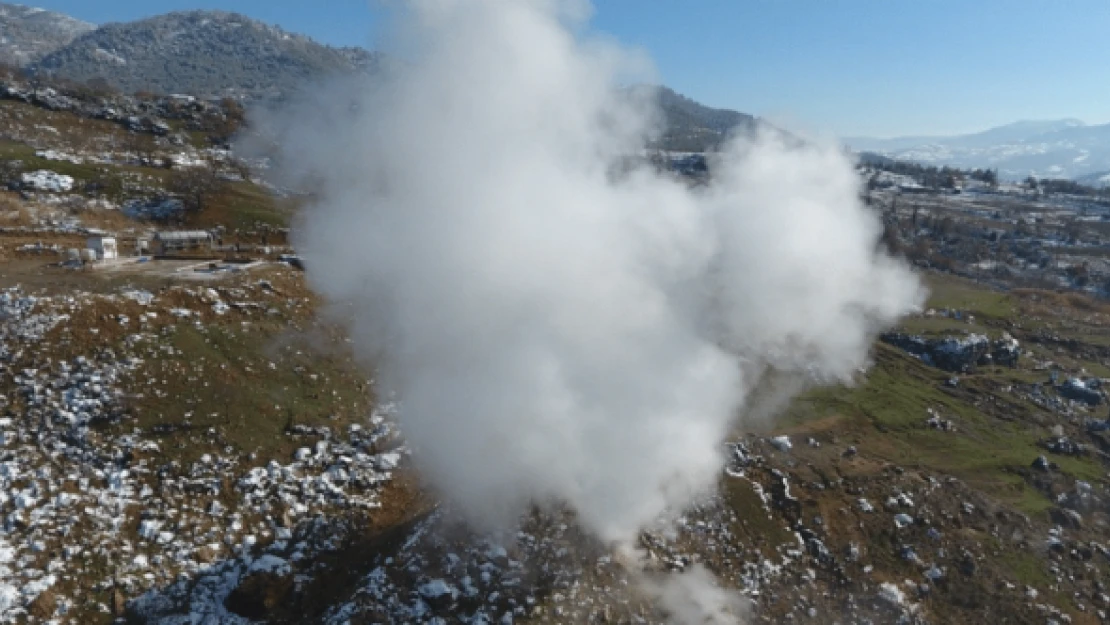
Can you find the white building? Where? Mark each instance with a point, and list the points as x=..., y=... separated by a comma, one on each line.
x=182, y=240
x=105, y=247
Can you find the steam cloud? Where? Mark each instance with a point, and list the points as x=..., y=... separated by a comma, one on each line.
x=559, y=325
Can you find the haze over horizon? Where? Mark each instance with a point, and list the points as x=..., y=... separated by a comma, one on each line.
x=862, y=68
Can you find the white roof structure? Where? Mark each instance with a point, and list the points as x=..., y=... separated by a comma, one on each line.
x=183, y=235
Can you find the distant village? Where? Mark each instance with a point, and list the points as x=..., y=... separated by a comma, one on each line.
x=1048, y=233
x=1032, y=233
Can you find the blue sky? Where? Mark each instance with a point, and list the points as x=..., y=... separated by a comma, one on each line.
x=847, y=67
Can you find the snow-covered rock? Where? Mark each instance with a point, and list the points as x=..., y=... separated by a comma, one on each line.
x=46, y=180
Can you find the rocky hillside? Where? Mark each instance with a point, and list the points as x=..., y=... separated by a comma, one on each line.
x=190, y=440
x=205, y=53
x=200, y=53
x=28, y=34
x=694, y=127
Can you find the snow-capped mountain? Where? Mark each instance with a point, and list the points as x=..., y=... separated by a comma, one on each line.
x=28, y=34
x=1100, y=179
x=1065, y=148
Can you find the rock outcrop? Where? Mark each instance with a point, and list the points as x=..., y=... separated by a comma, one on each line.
x=958, y=354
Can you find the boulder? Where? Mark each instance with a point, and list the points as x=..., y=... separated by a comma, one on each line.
x=1005, y=351
x=1041, y=464
x=1065, y=518
x=46, y=180
x=1064, y=446
x=957, y=354
x=1086, y=391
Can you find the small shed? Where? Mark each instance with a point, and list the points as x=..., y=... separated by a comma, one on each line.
x=104, y=247
x=181, y=240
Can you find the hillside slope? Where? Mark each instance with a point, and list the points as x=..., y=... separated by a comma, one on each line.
x=693, y=127
x=27, y=33
x=200, y=53
x=217, y=53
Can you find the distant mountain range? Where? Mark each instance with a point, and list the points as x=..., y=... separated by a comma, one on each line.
x=1065, y=148
x=1099, y=179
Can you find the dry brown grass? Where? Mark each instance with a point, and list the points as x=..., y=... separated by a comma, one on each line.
x=13, y=213
x=108, y=220
x=1057, y=299
x=73, y=132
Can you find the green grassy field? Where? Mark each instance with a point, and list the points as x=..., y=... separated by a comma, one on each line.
x=995, y=440
x=245, y=205
x=251, y=384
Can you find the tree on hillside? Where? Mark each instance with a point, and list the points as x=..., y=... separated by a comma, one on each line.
x=196, y=186
x=234, y=116
x=1073, y=231
x=142, y=146
x=991, y=177
x=1080, y=274
x=96, y=87
x=891, y=241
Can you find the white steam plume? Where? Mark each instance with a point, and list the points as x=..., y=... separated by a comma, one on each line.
x=560, y=327
x=694, y=598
